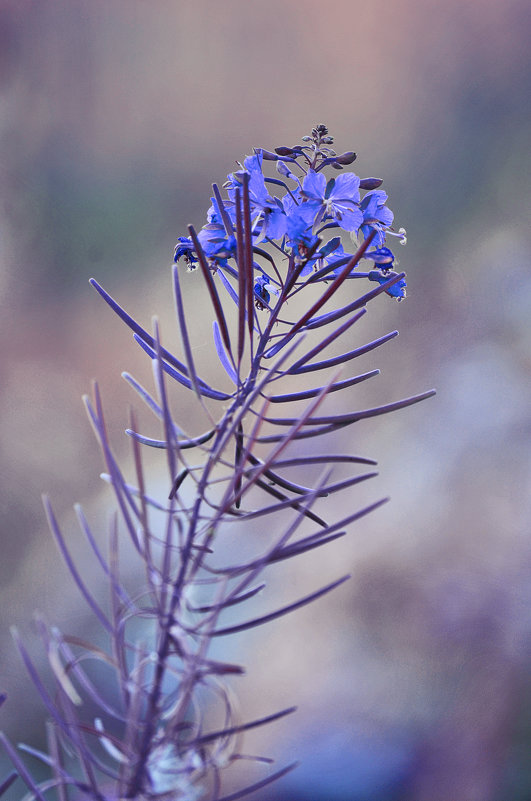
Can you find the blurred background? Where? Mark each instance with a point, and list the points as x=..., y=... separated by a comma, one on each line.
x=412, y=680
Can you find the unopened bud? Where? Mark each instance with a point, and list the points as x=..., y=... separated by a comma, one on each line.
x=371, y=183
x=346, y=158
x=284, y=151
x=267, y=155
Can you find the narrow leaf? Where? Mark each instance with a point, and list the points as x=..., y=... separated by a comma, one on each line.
x=312, y=393
x=23, y=772
x=280, y=481
x=325, y=458
x=183, y=443
x=220, y=350
x=258, y=621
x=347, y=419
x=248, y=237
x=302, y=546
x=242, y=276
x=229, y=602
x=150, y=402
x=327, y=341
x=253, y=724
x=54, y=527
x=8, y=781
x=343, y=357
x=252, y=788
x=238, y=466
x=183, y=330
x=205, y=390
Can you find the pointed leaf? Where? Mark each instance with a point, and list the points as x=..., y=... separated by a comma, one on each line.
x=224, y=359
x=311, y=393
x=258, y=621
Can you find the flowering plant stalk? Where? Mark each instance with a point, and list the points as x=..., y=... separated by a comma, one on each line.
x=272, y=262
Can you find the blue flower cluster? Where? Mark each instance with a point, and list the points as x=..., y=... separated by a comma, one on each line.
x=294, y=218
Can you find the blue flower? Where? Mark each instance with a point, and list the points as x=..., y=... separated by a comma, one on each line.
x=338, y=199
x=185, y=249
x=274, y=223
x=216, y=244
x=258, y=193
x=397, y=291
x=299, y=221
x=269, y=209
x=214, y=214
x=376, y=216
x=383, y=257
x=261, y=287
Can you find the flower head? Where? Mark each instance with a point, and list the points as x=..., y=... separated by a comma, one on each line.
x=338, y=199
x=295, y=221
x=264, y=208
x=216, y=244
x=376, y=216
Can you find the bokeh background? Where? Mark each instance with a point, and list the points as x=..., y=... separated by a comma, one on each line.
x=412, y=681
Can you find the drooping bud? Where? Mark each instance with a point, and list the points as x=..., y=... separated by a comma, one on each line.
x=346, y=158
x=284, y=170
x=267, y=155
x=370, y=183
x=288, y=151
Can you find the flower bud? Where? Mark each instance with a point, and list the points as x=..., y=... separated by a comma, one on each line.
x=346, y=158
x=371, y=183
x=267, y=155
